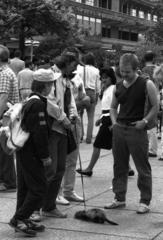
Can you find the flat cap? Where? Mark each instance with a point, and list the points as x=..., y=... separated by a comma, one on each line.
x=45, y=75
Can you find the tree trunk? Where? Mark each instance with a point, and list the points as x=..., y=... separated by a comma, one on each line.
x=21, y=45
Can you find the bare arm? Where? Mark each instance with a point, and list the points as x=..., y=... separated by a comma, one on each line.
x=113, y=109
x=152, y=93
x=3, y=102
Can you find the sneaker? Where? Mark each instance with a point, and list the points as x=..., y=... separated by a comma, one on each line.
x=115, y=204
x=152, y=155
x=143, y=208
x=74, y=198
x=54, y=213
x=61, y=200
x=36, y=216
x=22, y=226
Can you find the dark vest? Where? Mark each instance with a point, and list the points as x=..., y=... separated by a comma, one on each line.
x=131, y=101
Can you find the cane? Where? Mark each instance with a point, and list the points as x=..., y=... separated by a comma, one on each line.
x=81, y=169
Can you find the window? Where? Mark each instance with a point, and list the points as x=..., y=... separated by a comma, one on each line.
x=105, y=4
x=134, y=37
x=90, y=2
x=92, y=25
x=98, y=26
x=154, y=18
x=141, y=14
x=80, y=19
x=133, y=13
x=106, y=32
x=86, y=21
x=148, y=16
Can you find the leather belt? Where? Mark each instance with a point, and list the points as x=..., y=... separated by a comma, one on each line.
x=127, y=124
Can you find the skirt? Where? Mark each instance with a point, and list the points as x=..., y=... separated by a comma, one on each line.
x=104, y=136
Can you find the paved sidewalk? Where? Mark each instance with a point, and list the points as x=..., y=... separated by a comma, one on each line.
x=98, y=193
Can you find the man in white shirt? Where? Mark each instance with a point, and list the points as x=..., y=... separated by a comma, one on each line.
x=25, y=79
x=92, y=84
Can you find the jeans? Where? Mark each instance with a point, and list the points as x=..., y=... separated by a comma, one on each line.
x=152, y=136
x=55, y=172
x=129, y=140
x=90, y=113
x=7, y=169
x=68, y=182
x=32, y=183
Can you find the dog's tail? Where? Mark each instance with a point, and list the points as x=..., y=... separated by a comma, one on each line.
x=112, y=223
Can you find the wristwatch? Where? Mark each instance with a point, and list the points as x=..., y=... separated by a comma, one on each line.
x=145, y=120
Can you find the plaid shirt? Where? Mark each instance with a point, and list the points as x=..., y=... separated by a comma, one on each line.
x=9, y=84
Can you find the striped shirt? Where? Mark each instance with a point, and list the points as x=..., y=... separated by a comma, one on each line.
x=8, y=84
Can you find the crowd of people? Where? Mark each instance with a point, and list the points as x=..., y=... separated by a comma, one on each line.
x=58, y=94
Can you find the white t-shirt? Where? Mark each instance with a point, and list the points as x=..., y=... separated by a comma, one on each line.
x=107, y=99
x=92, y=77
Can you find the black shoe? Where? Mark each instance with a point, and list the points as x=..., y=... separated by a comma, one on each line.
x=89, y=174
x=22, y=226
x=131, y=173
x=160, y=159
x=152, y=155
x=34, y=226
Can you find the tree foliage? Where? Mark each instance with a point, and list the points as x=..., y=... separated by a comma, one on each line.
x=142, y=48
x=27, y=18
x=155, y=32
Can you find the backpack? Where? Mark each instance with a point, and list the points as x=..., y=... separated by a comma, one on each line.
x=12, y=136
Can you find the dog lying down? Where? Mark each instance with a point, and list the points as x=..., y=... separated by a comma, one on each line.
x=94, y=215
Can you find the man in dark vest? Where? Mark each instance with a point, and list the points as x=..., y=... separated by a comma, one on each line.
x=130, y=134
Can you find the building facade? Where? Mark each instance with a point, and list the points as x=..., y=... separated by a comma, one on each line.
x=114, y=22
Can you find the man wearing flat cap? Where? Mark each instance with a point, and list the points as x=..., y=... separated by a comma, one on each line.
x=62, y=96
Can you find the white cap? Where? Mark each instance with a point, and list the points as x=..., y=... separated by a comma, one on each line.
x=45, y=75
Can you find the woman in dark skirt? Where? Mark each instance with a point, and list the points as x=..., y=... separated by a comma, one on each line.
x=104, y=137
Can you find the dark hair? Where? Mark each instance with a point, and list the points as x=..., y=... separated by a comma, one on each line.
x=47, y=59
x=109, y=73
x=130, y=59
x=62, y=61
x=38, y=87
x=4, y=54
x=28, y=64
x=149, y=56
x=17, y=53
x=90, y=59
x=112, y=63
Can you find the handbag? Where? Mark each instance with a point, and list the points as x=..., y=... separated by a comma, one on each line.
x=71, y=143
x=147, y=107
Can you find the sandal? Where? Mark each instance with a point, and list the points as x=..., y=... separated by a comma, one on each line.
x=143, y=208
x=5, y=189
x=22, y=226
x=115, y=204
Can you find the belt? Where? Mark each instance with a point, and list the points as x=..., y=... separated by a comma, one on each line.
x=89, y=89
x=127, y=124
x=105, y=111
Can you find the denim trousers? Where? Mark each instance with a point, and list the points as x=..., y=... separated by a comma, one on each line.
x=90, y=113
x=68, y=181
x=7, y=169
x=32, y=183
x=152, y=136
x=129, y=140
x=55, y=172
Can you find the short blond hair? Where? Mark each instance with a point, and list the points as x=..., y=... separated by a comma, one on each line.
x=158, y=73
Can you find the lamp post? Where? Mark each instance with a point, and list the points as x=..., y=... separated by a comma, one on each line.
x=31, y=43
